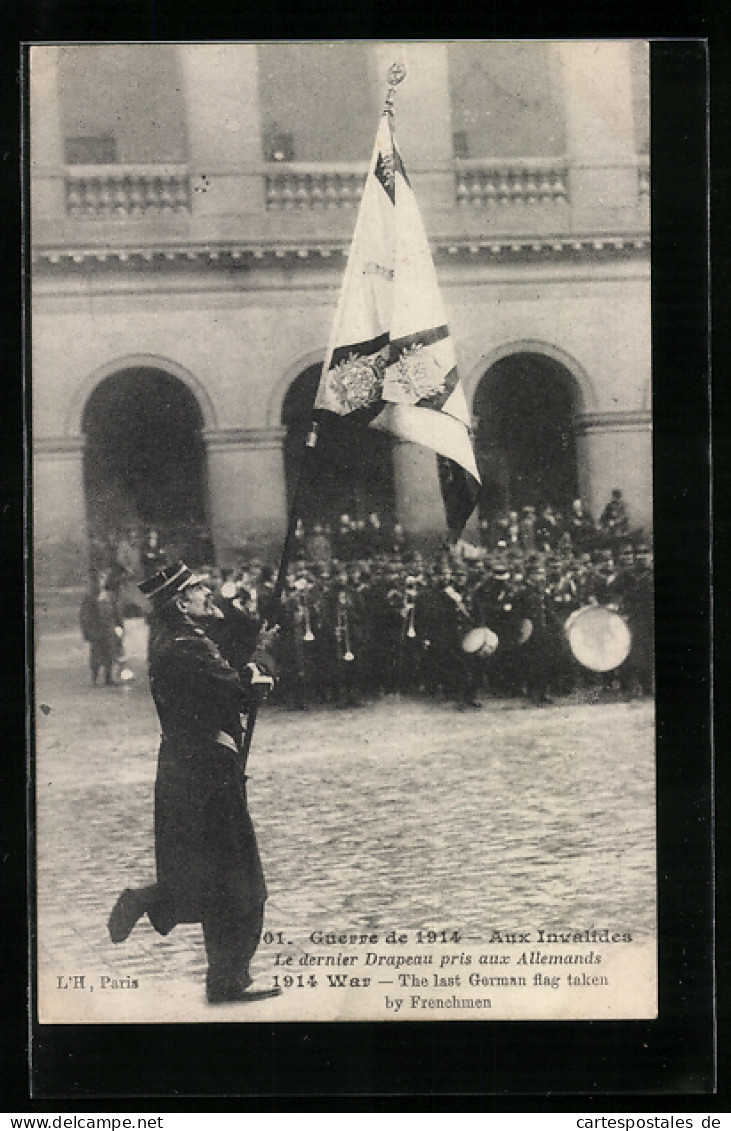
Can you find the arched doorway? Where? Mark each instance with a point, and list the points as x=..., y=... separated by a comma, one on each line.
x=354, y=473
x=525, y=406
x=144, y=460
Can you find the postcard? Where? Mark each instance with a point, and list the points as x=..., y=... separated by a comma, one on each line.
x=341, y=381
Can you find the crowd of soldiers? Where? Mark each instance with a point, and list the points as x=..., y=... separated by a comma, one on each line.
x=456, y=626
x=362, y=615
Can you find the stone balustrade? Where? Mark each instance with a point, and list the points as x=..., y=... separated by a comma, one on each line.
x=131, y=191
x=481, y=183
x=124, y=191
x=296, y=187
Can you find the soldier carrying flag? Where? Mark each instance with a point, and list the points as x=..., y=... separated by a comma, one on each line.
x=390, y=365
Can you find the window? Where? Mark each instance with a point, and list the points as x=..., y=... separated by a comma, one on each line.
x=91, y=150
x=460, y=143
x=278, y=146
x=318, y=101
x=503, y=100
x=122, y=103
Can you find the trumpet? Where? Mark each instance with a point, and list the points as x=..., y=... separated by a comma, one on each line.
x=408, y=611
x=302, y=617
x=309, y=635
x=342, y=634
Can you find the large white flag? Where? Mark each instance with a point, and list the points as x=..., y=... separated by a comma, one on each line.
x=390, y=361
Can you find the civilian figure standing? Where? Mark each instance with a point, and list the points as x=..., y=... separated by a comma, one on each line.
x=207, y=860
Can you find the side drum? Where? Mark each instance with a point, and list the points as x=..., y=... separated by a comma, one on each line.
x=480, y=642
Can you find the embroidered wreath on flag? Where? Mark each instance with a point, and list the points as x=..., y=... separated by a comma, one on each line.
x=417, y=373
x=357, y=381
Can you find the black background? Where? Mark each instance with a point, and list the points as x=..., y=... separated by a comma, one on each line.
x=663, y=1065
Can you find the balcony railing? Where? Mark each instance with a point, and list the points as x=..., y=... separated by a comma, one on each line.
x=518, y=195
x=125, y=191
x=128, y=191
x=481, y=183
x=298, y=187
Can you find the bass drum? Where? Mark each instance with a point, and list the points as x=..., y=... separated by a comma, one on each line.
x=598, y=638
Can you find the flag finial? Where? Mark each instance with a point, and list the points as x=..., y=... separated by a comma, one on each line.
x=396, y=74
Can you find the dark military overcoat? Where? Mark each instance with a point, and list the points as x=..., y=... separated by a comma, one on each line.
x=205, y=846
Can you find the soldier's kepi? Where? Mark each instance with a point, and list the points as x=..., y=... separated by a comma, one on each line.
x=207, y=861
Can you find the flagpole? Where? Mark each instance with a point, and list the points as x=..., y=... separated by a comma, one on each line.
x=289, y=538
x=396, y=75
x=274, y=611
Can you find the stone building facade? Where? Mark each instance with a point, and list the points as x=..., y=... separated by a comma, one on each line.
x=191, y=212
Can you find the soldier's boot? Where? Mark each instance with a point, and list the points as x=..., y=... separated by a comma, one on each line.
x=230, y=947
x=129, y=908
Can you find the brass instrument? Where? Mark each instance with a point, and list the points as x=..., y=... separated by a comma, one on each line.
x=302, y=616
x=408, y=610
x=309, y=635
x=342, y=633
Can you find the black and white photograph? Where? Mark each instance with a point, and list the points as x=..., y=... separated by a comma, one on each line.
x=342, y=531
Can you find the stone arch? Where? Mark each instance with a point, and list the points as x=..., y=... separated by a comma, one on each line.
x=583, y=386
x=74, y=415
x=145, y=459
x=527, y=398
x=275, y=404
x=356, y=466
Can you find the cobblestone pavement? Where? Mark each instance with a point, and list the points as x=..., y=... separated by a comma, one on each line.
x=402, y=814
